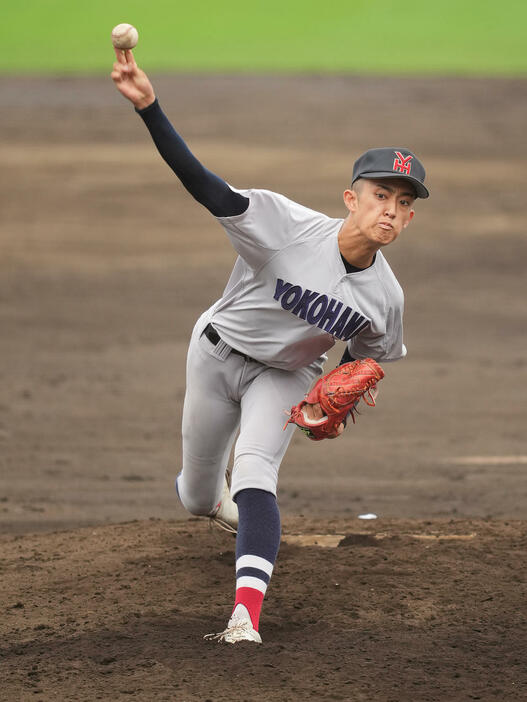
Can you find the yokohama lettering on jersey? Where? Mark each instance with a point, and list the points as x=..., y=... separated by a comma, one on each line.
x=289, y=297
x=326, y=313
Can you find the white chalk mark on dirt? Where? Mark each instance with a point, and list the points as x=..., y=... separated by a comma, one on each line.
x=487, y=460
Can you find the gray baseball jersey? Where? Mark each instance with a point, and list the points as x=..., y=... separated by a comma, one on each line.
x=289, y=297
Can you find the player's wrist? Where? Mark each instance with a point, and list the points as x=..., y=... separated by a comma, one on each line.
x=144, y=102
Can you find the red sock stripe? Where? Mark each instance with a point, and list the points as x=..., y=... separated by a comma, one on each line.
x=252, y=599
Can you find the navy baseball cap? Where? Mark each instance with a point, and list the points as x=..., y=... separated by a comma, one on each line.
x=391, y=162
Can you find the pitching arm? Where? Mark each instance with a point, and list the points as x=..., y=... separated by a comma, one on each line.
x=207, y=188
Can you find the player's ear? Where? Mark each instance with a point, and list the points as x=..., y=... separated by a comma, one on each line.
x=350, y=200
x=410, y=217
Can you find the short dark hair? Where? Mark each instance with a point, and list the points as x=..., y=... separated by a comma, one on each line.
x=358, y=185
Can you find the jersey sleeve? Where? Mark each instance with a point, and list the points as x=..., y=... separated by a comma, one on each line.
x=267, y=226
x=380, y=344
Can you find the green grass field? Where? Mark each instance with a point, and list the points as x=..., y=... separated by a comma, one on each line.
x=447, y=36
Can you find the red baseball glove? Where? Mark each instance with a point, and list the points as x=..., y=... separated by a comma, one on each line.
x=338, y=392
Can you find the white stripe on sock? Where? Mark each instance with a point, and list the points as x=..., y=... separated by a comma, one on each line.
x=248, y=581
x=255, y=562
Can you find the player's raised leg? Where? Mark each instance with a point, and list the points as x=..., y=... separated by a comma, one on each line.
x=209, y=425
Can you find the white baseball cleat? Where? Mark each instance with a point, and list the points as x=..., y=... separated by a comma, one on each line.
x=226, y=513
x=239, y=628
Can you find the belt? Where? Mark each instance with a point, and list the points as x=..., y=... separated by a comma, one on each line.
x=214, y=338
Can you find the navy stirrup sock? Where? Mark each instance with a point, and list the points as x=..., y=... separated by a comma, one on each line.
x=257, y=546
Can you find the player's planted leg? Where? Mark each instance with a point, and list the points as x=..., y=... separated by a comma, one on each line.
x=257, y=547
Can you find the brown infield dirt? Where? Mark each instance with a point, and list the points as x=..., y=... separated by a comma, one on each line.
x=107, y=586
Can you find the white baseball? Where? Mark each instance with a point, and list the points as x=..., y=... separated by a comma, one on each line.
x=124, y=36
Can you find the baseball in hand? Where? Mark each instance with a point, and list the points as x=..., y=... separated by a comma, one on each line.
x=124, y=36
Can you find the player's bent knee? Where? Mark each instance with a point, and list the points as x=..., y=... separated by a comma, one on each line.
x=200, y=506
x=254, y=471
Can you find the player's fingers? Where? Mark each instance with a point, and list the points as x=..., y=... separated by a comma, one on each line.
x=338, y=431
x=122, y=69
x=129, y=56
x=116, y=76
x=120, y=55
x=314, y=411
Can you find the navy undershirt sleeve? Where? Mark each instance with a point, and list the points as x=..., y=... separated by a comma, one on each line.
x=207, y=188
x=346, y=357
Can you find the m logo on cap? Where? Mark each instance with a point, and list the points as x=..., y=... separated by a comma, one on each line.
x=402, y=164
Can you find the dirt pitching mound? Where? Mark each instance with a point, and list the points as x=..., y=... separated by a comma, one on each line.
x=384, y=610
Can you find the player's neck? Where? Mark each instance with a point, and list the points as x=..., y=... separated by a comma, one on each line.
x=357, y=251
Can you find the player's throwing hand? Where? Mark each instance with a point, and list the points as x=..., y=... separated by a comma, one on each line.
x=131, y=81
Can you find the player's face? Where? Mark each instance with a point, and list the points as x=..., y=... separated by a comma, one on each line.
x=381, y=209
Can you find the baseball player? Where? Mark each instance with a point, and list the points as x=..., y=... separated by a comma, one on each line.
x=301, y=282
